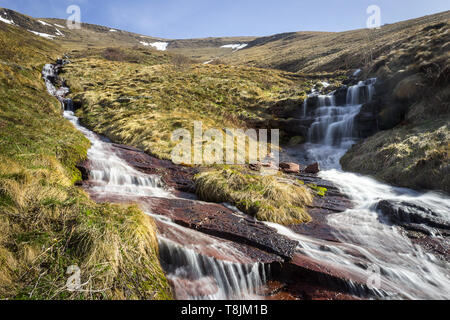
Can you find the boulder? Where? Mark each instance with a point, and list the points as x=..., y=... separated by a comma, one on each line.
x=409, y=88
x=313, y=168
x=255, y=166
x=413, y=216
x=85, y=168
x=289, y=167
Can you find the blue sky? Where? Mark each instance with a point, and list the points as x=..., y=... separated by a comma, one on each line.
x=202, y=18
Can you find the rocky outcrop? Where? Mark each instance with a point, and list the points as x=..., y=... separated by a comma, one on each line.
x=409, y=88
x=180, y=178
x=407, y=122
x=219, y=221
x=414, y=216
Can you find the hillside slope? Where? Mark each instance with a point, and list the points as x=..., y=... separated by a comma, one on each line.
x=412, y=112
x=47, y=224
x=329, y=51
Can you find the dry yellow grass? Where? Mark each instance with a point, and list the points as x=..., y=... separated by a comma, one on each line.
x=330, y=51
x=46, y=223
x=142, y=104
x=268, y=198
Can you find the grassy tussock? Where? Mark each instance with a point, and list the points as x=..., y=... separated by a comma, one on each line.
x=141, y=105
x=268, y=198
x=46, y=223
x=46, y=228
x=414, y=156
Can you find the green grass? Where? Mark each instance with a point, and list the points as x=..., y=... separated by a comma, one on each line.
x=414, y=152
x=46, y=223
x=141, y=104
x=267, y=198
x=413, y=156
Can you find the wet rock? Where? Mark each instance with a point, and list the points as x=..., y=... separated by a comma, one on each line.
x=213, y=247
x=312, y=101
x=413, y=216
x=302, y=289
x=177, y=177
x=341, y=96
x=439, y=247
x=85, y=168
x=255, y=166
x=331, y=277
x=313, y=168
x=289, y=167
x=409, y=88
x=285, y=108
x=185, y=288
x=219, y=221
x=295, y=127
x=366, y=122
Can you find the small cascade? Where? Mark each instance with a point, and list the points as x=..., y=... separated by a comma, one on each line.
x=332, y=131
x=227, y=274
x=370, y=247
x=207, y=277
x=333, y=125
x=110, y=174
x=50, y=75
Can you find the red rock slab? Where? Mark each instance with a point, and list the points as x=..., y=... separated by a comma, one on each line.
x=187, y=288
x=217, y=220
x=230, y=250
x=334, y=277
x=175, y=176
x=302, y=290
x=214, y=247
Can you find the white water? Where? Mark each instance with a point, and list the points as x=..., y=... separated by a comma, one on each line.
x=405, y=270
x=233, y=276
x=368, y=244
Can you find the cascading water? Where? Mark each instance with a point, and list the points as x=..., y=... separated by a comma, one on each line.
x=332, y=132
x=195, y=275
x=369, y=244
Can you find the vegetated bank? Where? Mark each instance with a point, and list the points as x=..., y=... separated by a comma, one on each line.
x=48, y=224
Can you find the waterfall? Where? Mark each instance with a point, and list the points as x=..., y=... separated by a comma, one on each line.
x=370, y=246
x=194, y=273
x=333, y=125
x=209, y=278
x=332, y=132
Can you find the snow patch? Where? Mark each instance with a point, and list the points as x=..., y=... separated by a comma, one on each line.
x=161, y=46
x=235, y=47
x=44, y=35
x=6, y=20
x=59, y=33
x=112, y=30
x=208, y=62
x=44, y=23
